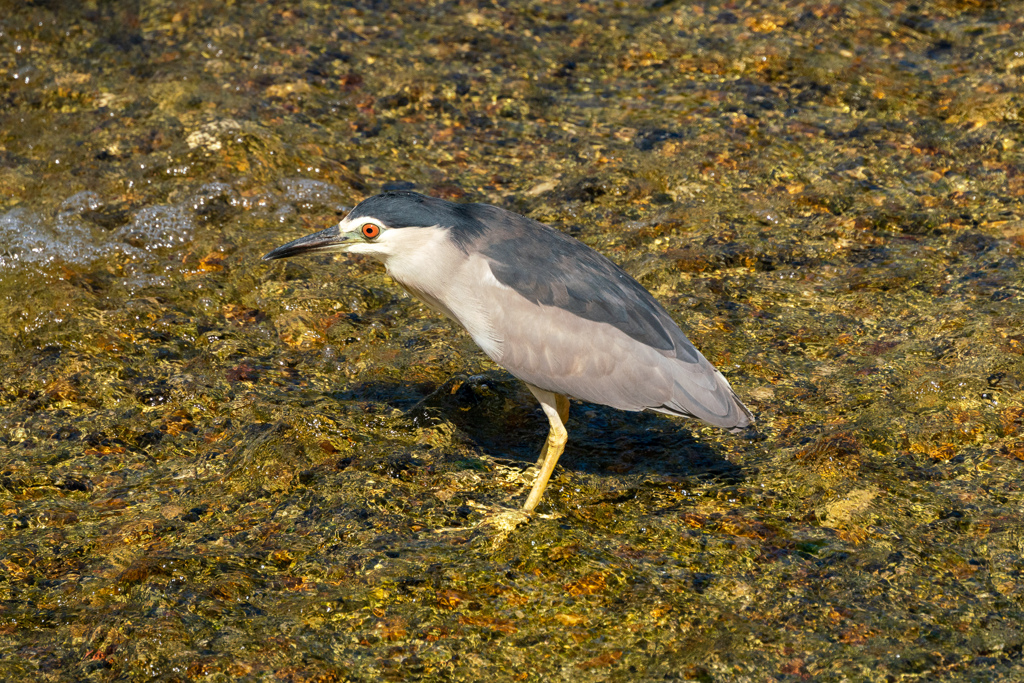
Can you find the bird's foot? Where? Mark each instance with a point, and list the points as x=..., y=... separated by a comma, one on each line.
x=498, y=516
x=502, y=522
x=498, y=521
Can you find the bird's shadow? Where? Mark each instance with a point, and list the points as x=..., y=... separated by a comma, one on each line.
x=499, y=416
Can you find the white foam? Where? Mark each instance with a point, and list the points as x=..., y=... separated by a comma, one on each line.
x=32, y=239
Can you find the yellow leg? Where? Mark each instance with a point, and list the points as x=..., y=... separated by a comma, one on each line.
x=562, y=405
x=556, y=407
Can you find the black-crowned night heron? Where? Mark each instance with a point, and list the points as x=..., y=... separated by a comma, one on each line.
x=547, y=308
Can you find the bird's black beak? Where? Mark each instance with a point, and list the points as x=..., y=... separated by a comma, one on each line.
x=330, y=239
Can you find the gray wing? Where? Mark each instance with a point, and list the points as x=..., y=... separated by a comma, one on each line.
x=568, y=320
x=555, y=350
x=550, y=268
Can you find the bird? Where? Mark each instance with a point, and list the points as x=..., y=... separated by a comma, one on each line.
x=549, y=309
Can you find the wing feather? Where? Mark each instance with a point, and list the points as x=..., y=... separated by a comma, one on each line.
x=562, y=317
x=554, y=349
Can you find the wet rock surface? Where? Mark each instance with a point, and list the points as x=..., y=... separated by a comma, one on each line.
x=213, y=468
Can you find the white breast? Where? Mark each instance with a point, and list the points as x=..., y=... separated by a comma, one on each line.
x=433, y=269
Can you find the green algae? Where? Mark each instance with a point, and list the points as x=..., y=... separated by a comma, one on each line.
x=216, y=469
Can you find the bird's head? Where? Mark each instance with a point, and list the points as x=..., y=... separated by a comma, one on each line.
x=375, y=226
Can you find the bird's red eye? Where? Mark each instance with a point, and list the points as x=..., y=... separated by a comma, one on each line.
x=370, y=231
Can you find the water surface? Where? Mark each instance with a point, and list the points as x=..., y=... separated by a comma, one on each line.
x=213, y=468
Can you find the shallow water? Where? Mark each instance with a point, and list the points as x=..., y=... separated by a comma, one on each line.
x=212, y=468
